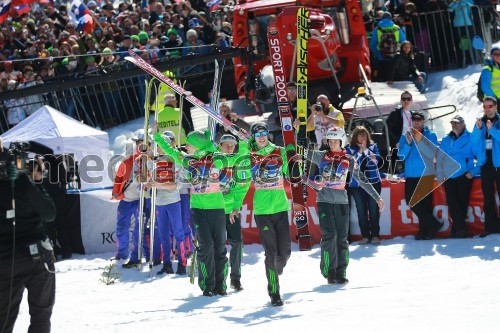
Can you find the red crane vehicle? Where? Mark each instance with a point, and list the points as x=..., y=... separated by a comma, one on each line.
x=338, y=44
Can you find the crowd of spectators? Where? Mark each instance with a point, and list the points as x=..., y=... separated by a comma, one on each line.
x=45, y=42
x=440, y=29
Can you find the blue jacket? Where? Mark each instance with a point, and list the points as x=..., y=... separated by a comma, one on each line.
x=478, y=139
x=487, y=76
x=413, y=154
x=460, y=150
x=384, y=24
x=368, y=166
x=462, y=11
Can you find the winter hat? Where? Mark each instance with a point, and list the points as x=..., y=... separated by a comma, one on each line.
x=65, y=61
x=89, y=59
x=387, y=15
x=457, y=119
x=168, y=97
x=172, y=31
x=494, y=47
x=169, y=136
x=11, y=85
x=417, y=116
x=199, y=140
x=258, y=126
x=107, y=50
x=228, y=138
x=143, y=35
x=191, y=32
x=134, y=37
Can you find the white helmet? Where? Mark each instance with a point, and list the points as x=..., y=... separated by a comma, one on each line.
x=336, y=133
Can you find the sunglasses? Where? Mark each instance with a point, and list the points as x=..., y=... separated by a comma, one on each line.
x=488, y=106
x=259, y=134
x=406, y=99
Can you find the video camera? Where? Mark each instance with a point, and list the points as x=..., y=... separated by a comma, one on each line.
x=17, y=155
x=321, y=107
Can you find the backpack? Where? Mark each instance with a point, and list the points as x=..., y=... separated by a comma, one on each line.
x=387, y=43
x=480, y=92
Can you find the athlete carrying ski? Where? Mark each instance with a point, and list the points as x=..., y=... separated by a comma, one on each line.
x=168, y=208
x=268, y=166
x=207, y=206
x=234, y=183
x=333, y=206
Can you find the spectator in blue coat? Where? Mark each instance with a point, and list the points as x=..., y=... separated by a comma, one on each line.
x=486, y=147
x=385, y=42
x=457, y=148
x=462, y=23
x=490, y=75
x=367, y=156
x=417, y=147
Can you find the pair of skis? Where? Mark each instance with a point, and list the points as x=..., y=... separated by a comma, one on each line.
x=144, y=175
x=151, y=70
x=209, y=109
x=298, y=188
x=293, y=146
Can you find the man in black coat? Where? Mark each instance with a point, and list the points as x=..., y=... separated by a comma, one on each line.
x=26, y=256
x=398, y=122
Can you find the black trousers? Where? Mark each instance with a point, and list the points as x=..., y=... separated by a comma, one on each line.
x=427, y=223
x=334, y=223
x=489, y=177
x=34, y=276
x=210, y=227
x=235, y=239
x=274, y=230
x=457, y=196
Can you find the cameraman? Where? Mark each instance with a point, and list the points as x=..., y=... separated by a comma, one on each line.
x=26, y=256
x=323, y=117
x=226, y=111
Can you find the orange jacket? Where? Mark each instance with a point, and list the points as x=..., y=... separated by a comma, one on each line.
x=123, y=176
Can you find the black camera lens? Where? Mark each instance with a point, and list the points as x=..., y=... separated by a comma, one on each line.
x=318, y=107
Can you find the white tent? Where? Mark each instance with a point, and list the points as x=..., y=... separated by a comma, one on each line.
x=64, y=134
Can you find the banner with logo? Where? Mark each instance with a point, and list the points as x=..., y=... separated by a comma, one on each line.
x=396, y=220
x=98, y=217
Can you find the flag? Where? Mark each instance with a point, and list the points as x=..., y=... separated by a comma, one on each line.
x=213, y=5
x=21, y=2
x=86, y=24
x=22, y=9
x=4, y=10
x=77, y=10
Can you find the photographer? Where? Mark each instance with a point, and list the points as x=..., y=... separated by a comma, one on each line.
x=225, y=110
x=323, y=117
x=26, y=256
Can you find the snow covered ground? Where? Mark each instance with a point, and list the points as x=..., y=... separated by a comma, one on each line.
x=403, y=285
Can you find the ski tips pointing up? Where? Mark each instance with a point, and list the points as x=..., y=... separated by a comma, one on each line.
x=131, y=59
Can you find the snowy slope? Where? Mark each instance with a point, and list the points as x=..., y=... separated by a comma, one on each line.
x=403, y=285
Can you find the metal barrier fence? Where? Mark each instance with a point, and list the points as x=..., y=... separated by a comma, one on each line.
x=449, y=44
x=100, y=105
x=116, y=95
